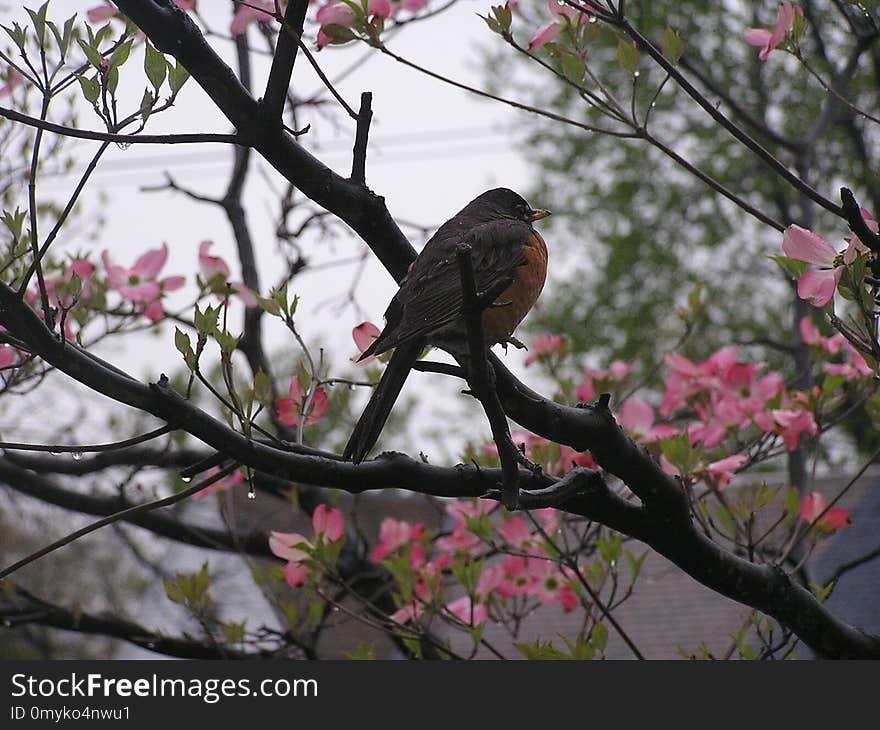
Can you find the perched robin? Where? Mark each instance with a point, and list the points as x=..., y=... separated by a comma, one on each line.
x=509, y=256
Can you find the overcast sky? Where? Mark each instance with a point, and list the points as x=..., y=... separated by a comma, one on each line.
x=433, y=148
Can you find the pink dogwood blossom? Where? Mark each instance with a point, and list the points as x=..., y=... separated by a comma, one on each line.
x=290, y=409
x=563, y=15
x=364, y=335
x=467, y=611
x=13, y=79
x=327, y=525
x=597, y=378
x=789, y=423
x=8, y=356
x=723, y=470
x=290, y=546
x=811, y=336
x=101, y=13
x=251, y=12
x=395, y=534
x=817, y=286
x=221, y=485
x=637, y=417
x=212, y=266
x=544, y=345
x=768, y=40
x=140, y=284
x=814, y=504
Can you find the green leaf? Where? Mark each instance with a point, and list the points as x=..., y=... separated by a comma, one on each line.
x=794, y=268
x=504, y=15
x=263, y=388
x=155, y=67
x=226, y=341
x=111, y=80
x=726, y=519
x=610, y=548
x=573, y=67
x=270, y=306
x=234, y=633
x=91, y=89
x=672, y=45
x=205, y=322
x=181, y=341
x=92, y=54
x=493, y=24
x=821, y=592
x=121, y=54
x=38, y=18
x=540, y=650
x=680, y=453
x=599, y=637
x=628, y=55
x=635, y=564
x=173, y=591
x=147, y=103
x=364, y=652
x=17, y=34
x=177, y=77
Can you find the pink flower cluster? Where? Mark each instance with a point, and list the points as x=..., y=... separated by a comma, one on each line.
x=140, y=284
x=544, y=346
x=814, y=511
x=597, y=380
x=529, y=573
x=292, y=408
x=215, y=267
x=768, y=40
x=221, y=485
x=328, y=526
x=336, y=18
x=817, y=286
x=363, y=335
x=727, y=395
x=102, y=13
x=556, y=459
x=853, y=368
x=564, y=15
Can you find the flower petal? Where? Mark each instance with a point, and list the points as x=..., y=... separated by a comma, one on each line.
x=817, y=285
x=803, y=245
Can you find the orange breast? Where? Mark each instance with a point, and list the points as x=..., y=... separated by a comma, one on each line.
x=499, y=322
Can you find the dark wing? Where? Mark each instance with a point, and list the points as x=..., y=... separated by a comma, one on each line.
x=430, y=296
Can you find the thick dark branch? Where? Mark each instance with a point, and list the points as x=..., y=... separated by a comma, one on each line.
x=283, y=60
x=479, y=379
x=359, y=155
x=853, y=213
x=25, y=608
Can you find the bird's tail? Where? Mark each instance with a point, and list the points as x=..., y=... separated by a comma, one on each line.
x=369, y=426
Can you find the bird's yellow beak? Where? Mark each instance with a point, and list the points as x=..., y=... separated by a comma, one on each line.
x=538, y=214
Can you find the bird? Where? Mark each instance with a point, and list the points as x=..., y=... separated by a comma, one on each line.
x=509, y=256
